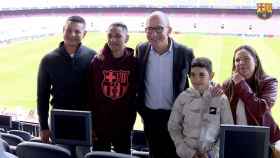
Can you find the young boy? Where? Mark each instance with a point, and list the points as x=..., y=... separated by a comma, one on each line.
x=196, y=115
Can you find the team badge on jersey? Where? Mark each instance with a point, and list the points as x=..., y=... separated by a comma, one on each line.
x=115, y=83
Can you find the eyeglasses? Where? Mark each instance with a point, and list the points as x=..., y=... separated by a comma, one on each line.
x=158, y=29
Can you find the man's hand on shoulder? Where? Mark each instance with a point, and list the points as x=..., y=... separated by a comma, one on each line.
x=100, y=56
x=216, y=90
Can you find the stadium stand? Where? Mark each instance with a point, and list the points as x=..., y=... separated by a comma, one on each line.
x=34, y=16
x=19, y=113
x=237, y=16
x=184, y=23
x=47, y=4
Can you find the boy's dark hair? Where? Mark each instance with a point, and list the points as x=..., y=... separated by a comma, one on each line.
x=119, y=24
x=202, y=62
x=77, y=19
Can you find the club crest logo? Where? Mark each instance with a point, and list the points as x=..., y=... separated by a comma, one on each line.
x=264, y=10
x=115, y=83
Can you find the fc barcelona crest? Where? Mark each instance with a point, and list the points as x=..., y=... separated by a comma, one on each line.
x=115, y=83
x=264, y=10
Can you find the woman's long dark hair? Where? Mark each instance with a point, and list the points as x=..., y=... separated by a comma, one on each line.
x=258, y=72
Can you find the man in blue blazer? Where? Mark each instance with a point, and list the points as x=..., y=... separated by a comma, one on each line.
x=163, y=68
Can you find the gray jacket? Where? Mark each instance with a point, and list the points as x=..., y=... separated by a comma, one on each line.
x=195, y=120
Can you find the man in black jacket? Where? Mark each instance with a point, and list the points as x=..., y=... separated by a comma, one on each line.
x=163, y=68
x=63, y=74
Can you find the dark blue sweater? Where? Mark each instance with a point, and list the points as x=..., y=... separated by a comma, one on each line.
x=65, y=79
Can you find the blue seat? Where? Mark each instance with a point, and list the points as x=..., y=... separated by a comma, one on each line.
x=2, y=130
x=7, y=155
x=5, y=145
x=41, y=150
x=104, y=154
x=36, y=139
x=23, y=134
x=11, y=139
x=5, y=149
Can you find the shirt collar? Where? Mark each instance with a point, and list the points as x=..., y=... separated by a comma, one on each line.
x=165, y=53
x=196, y=93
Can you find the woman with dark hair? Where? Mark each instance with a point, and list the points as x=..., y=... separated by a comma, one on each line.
x=251, y=92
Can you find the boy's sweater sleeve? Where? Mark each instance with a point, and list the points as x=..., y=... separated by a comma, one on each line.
x=175, y=128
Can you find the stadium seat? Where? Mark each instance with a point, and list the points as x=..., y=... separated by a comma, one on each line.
x=5, y=149
x=104, y=154
x=11, y=139
x=36, y=139
x=2, y=130
x=8, y=155
x=41, y=150
x=5, y=145
x=23, y=134
x=139, y=141
x=140, y=154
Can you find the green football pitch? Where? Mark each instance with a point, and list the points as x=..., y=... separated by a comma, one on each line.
x=19, y=61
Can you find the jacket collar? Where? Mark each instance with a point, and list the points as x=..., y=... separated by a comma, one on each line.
x=196, y=93
x=63, y=51
x=107, y=53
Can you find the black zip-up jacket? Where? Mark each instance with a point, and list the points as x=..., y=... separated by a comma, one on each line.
x=64, y=78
